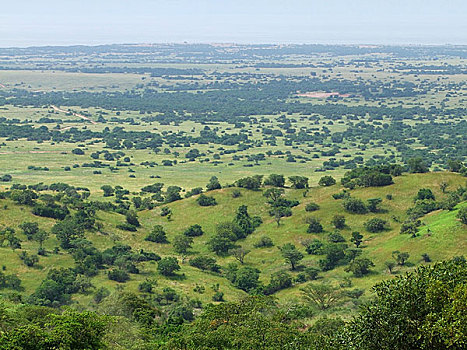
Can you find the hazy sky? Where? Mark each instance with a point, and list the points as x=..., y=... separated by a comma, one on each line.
x=67, y=22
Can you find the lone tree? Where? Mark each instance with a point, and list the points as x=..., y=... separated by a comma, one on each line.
x=213, y=184
x=40, y=236
x=291, y=254
x=373, y=204
x=239, y=254
x=182, y=243
x=323, y=296
x=356, y=238
x=279, y=213
x=273, y=194
x=157, y=235
x=400, y=257
x=390, y=265
x=275, y=180
x=443, y=186
x=299, y=182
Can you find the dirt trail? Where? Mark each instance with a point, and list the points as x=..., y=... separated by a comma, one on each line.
x=75, y=114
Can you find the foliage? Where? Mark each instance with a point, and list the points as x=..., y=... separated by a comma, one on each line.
x=194, y=231
x=291, y=254
x=419, y=310
x=354, y=206
x=327, y=181
x=360, y=267
x=157, y=235
x=206, y=201
x=167, y=266
x=462, y=215
x=182, y=243
x=322, y=296
x=311, y=207
x=338, y=221
x=376, y=225
x=314, y=225
x=264, y=242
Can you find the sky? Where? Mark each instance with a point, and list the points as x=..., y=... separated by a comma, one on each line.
x=93, y=22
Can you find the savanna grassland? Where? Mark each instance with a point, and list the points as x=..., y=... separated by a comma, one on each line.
x=147, y=182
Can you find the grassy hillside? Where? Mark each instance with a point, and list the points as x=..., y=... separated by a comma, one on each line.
x=441, y=236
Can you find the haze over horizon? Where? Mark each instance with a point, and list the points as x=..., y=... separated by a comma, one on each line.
x=53, y=22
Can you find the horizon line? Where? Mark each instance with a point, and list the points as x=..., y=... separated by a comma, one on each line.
x=232, y=43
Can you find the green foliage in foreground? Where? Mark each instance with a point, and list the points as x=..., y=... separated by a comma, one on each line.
x=423, y=309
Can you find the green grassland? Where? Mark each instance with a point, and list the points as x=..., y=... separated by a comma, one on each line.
x=445, y=239
x=303, y=127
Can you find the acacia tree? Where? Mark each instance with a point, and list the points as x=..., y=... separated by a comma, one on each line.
x=239, y=254
x=323, y=296
x=291, y=254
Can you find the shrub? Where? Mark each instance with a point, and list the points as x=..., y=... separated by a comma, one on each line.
x=327, y=181
x=127, y=227
x=424, y=193
x=314, y=226
x=336, y=237
x=279, y=280
x=193, y=192
x=206, y=201
x=251, y=183
x=338, y=221
x=376, y=225
x=311, y=207
x=118, y=275
x=311, y=273
x=236, y=193
x=145, y=287
x=205, y=263
x=355, y=206
x=264, y=242
x=194, y=231
x=462, y=215
x=314, y=247
x=218, y=296
x=341, y=195
x=360, y=267
x=5, y=178
x=157, y=235
x=29, y=260
x=167, y=266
